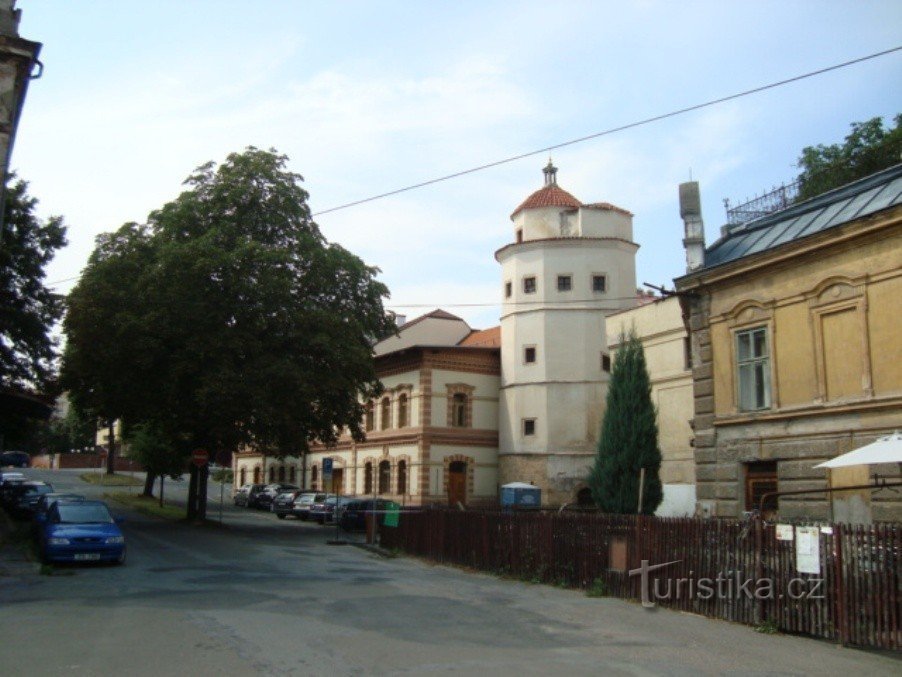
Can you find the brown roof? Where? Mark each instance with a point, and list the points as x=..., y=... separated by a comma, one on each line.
x=482, y=337
x=551, y=195
x=438, y=314
x=609, y=207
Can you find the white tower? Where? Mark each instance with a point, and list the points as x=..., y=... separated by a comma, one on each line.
x=570, y=264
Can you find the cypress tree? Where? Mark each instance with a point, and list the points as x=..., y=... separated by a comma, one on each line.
x=629, y=437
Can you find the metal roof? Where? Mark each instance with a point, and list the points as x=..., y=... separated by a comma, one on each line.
x=834, y=208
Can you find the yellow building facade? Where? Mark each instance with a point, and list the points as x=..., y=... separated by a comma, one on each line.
x=796, y=328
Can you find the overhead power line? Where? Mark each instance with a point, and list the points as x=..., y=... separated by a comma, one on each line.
x=612, y=130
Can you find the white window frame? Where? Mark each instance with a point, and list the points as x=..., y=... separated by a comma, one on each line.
x=754, y=370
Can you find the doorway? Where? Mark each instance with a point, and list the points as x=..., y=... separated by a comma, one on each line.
x=337, y=480
x=457, y=483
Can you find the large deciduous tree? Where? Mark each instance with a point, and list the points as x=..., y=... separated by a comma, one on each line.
x=240, y=325
x=28, y=309
x=629, y=438
x=868, y=148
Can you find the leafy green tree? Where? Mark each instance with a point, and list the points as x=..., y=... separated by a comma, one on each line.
x=28, y=309
x=229, y=321
x=148, y=445
x=629, y=437
x=867, y=149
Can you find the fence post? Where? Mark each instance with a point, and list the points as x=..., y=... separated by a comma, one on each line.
x=839, y=591
x=759, y=565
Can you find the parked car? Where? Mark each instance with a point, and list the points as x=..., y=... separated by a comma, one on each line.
x=45, y=502
x=81, y=531
x=27, y=495
x=352, y=517
x=324, y=512
x=304, y=502
x=244, y=494
x=264, y=499
x=7, y=481
x=283, y=504
x=16, y=459
x=318, y=509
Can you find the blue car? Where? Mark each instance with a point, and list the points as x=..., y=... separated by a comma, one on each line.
x=81, y=531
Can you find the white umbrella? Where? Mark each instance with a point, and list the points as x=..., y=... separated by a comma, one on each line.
x=885, y=450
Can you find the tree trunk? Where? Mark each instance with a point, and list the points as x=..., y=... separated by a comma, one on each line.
x=148, y=484
x=202, y=475
x=111, y=453
x=192, y=492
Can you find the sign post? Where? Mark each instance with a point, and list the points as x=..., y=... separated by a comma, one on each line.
x=327, y=474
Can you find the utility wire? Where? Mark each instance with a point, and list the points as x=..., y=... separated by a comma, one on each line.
x=589, y=137
x=606, y=132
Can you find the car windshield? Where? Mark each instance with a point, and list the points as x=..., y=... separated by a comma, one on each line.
x=75, y=513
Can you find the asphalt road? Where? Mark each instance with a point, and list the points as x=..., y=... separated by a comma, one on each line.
x=271, y=597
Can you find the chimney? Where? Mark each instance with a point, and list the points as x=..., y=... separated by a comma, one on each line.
x=691, y=212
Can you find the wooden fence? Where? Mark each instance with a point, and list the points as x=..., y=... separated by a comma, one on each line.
x=734, y=570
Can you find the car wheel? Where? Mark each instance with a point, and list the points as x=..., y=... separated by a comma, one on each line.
x=280, y=515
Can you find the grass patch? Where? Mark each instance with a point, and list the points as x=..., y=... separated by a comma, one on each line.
x=147, y=506
x=599, y=588
x=105, y=480
x=768, y=627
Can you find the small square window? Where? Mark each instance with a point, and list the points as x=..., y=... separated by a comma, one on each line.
x=529, y=426
x=599, y=283
x=564, y=283
x=605, y=362
x=529, y=354
x=529, y=285
x=508, y=290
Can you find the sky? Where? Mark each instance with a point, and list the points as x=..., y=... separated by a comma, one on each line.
x=368, y=97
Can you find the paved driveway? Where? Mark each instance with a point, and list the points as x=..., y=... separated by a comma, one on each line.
x=264, y=596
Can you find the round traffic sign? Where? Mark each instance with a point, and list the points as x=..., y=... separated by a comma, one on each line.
x=199, y=457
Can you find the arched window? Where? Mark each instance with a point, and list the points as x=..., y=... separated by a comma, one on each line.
x=384, y=477
x=402, y=477
x=370, y=418
x=402, y=411
x=459, y=410
x=272, y=474
x=257, y=474
x=385, y=422
x=242, y=477
x=291, y=474
x=368, y=478
x=281, y=473
x=314, y=472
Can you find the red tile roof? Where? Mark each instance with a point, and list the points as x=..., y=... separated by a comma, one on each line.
x=551, y=195
x=483, y=338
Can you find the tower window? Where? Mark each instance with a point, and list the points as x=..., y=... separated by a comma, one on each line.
x=599, y=283
x=519, y=235
x=508, y=290
x=529, y=285
x=529, y=354
x=605, y=362
x=564, y=282
x=529, y=426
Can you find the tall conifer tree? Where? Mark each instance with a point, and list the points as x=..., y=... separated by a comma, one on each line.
x=629, y=437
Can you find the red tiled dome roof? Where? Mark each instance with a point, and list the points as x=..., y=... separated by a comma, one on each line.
x=551, y=195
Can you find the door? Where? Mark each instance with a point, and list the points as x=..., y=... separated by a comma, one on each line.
x=457, y=483
x=337, y=480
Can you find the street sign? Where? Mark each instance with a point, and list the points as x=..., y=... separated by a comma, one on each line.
x=327, y=471
x=199, y=457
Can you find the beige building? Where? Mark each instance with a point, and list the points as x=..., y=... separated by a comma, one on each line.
x=659, y=326
x=797, y=355
x=432, y=436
